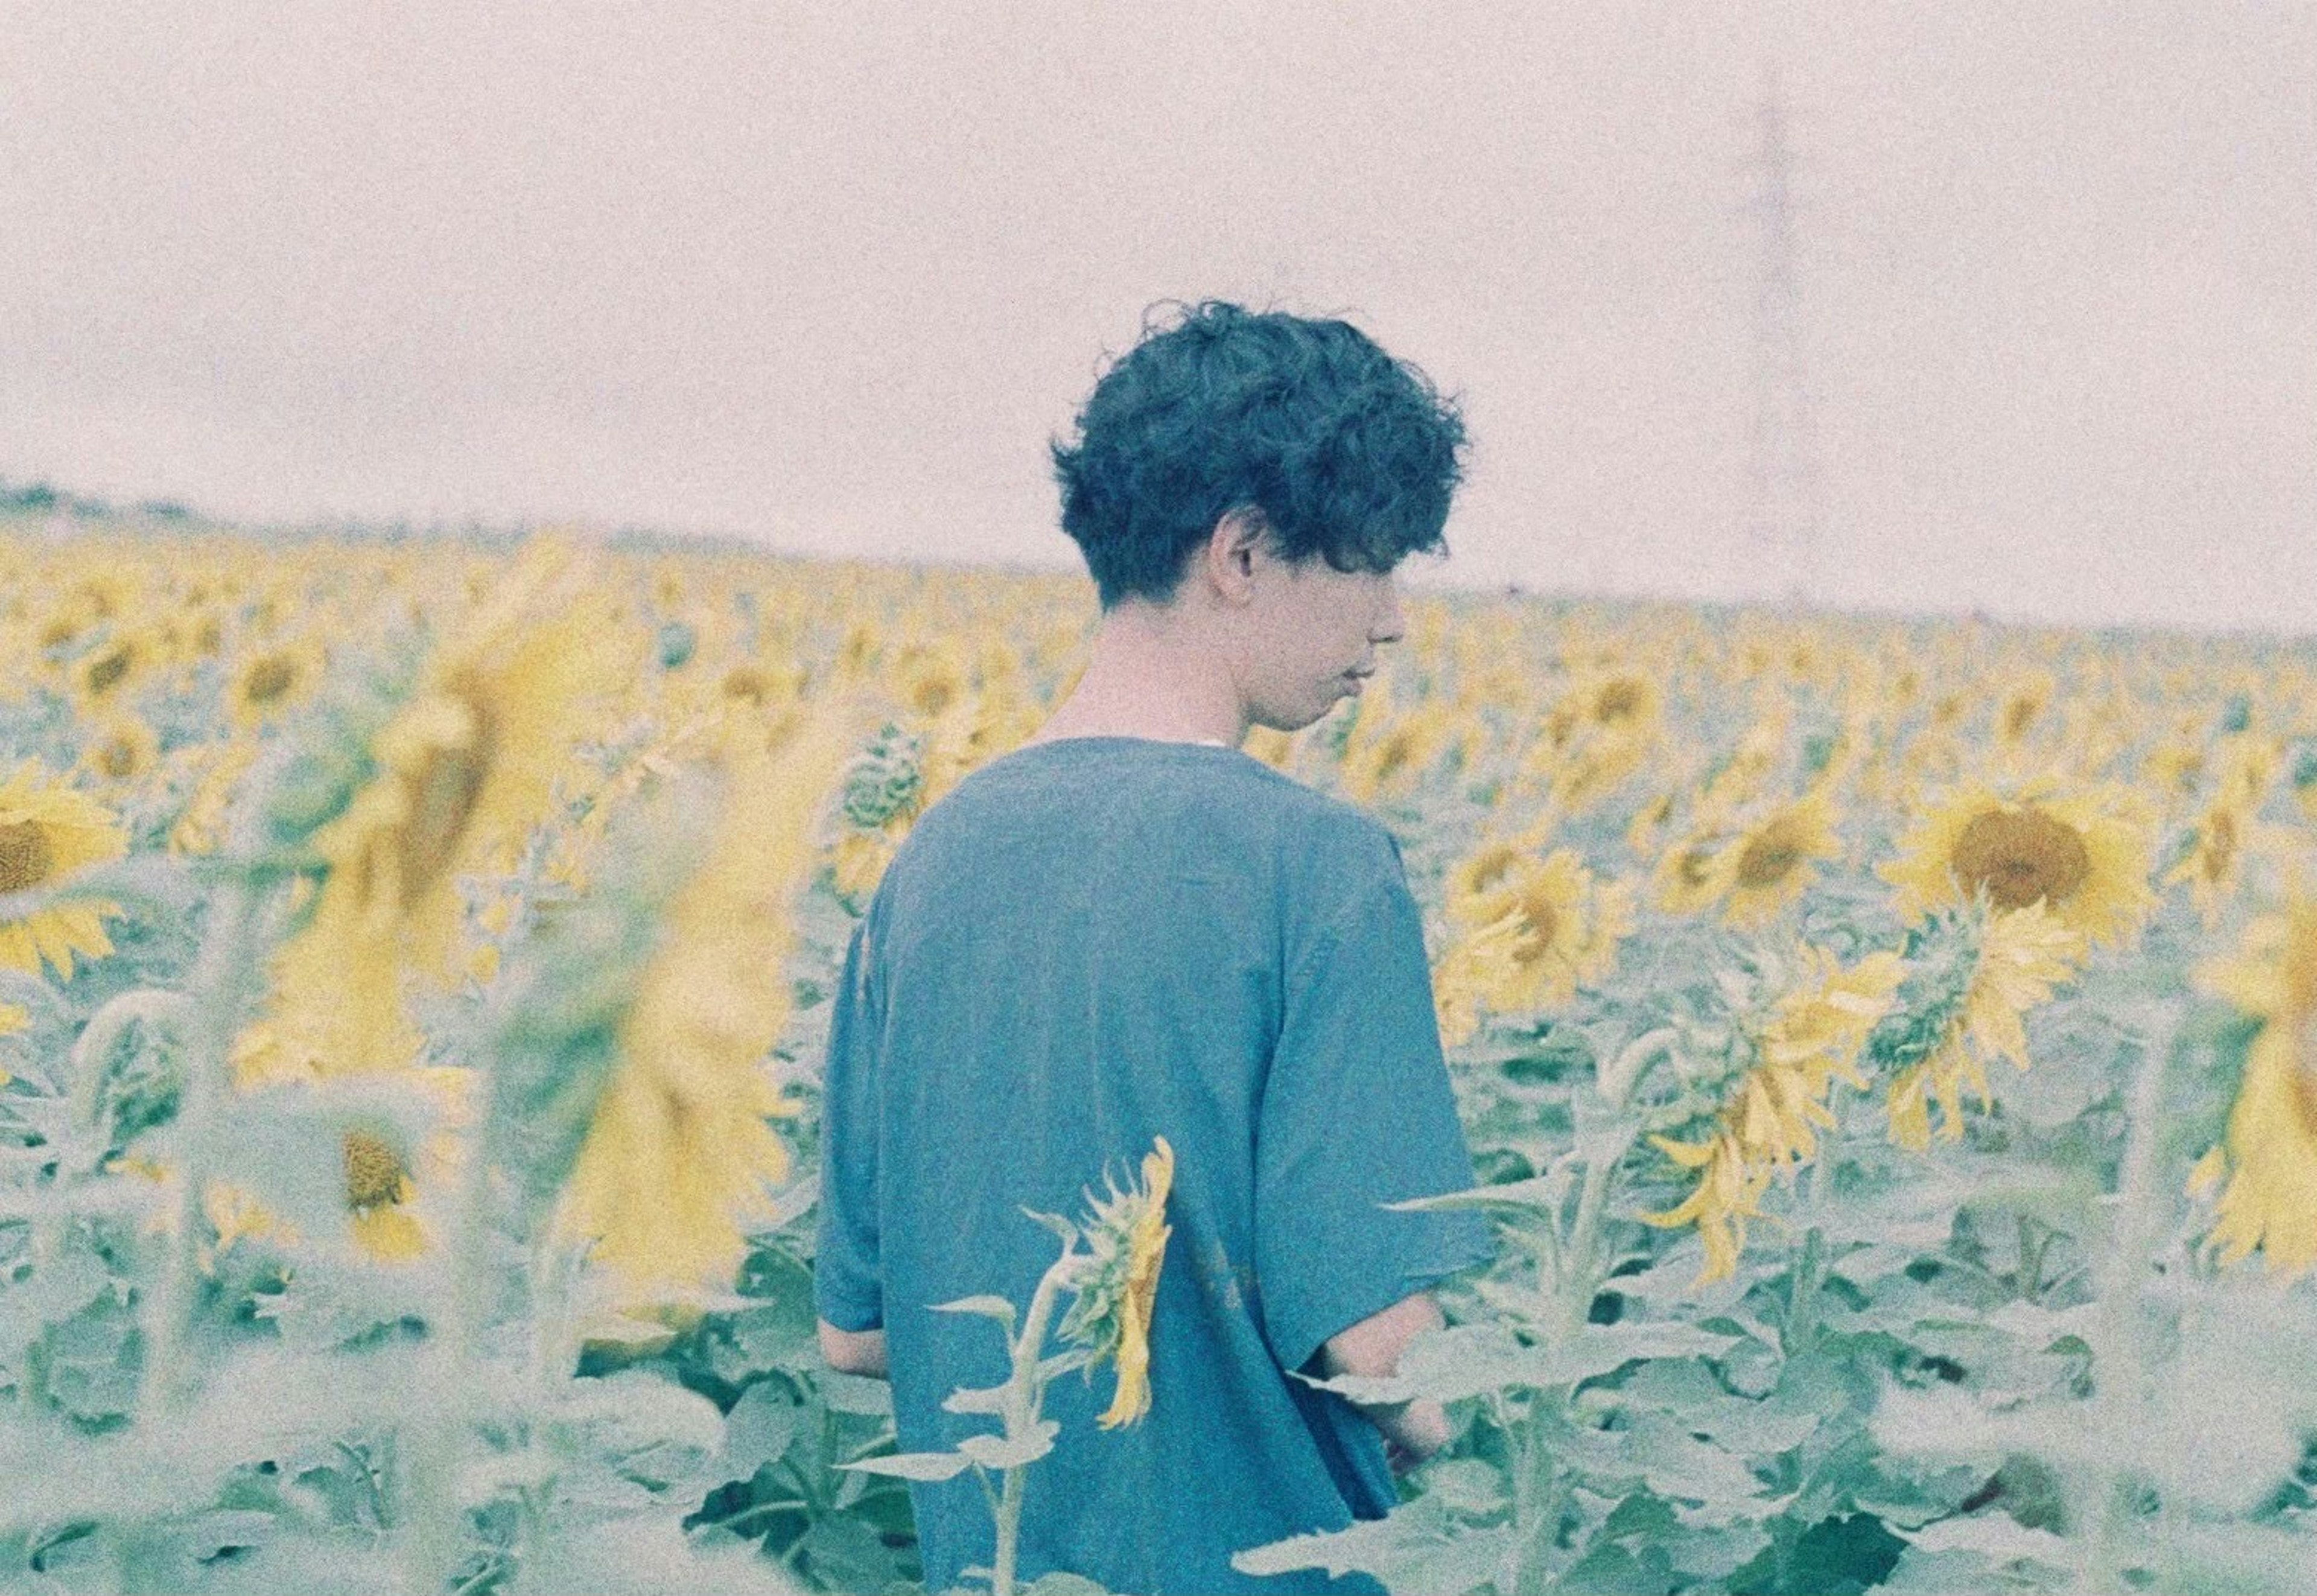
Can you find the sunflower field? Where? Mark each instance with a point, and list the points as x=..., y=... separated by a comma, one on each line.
x=1888, y=1048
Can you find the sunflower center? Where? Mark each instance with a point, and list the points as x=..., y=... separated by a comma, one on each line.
x=1394, y=756
x=743, y=681
x=117, y=758
x=444, y=800
x=1545, y=930
x=269, y=679
x=1691, y=868
x=374, y=1174
x=1489, y=868
x=1769, y=859
x=105, y=671
x=2019, y=855
x=1620, y=700
x=933, y=694
x=26, y=856
x=2220, y=844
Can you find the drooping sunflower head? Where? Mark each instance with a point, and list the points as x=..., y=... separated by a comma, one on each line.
x=46, y=833
x=2086, y=855
x=1117, y=1285
x=677, y=1158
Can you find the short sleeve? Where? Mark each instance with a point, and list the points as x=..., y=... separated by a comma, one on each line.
x=847, y=1290
x=1357, y=1111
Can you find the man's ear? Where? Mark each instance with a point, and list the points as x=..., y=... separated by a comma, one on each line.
x=1231, y=552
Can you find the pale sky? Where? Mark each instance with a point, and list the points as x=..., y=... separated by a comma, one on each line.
x=830, y=276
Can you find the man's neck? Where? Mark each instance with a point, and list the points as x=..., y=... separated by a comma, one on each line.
x=1143, y=681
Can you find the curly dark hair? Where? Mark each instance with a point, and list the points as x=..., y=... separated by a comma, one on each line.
x=1343, y=453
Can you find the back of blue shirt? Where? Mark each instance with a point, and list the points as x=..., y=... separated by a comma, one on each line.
x=1087, y=944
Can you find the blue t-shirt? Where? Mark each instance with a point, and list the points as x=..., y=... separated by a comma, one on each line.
x=1087, y=944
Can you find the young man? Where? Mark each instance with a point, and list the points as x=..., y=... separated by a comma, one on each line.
x=1128, y=928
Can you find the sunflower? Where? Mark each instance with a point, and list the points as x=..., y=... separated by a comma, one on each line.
x=1726, y=1195
x=1770, y=863
x=2225, y=836
x=1624, y=704
x=466, y=766
x=2085, y=854
x=1117, y=1285
x=1475, y=891
x=1811, y=1039
x=2022, y=954
x=46, y=833
x=1385, y=753
x=272, y=681
x=679, y=1155
x=2021, y=710
x=1470, y=974
x=1694, y=872
x=925, y=679
x=123, y=752
x=386, y=1205
x=2267, y=1164
x=1559, y=929
x=109, y=672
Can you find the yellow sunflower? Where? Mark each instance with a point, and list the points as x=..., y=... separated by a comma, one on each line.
x=2227, y=835
x=466, y=767
x=1811, y=1039
x=1387, y=750
x=1470, y=974
x=1117, y=1283
x=678, y=1157
x=112, y=670
x=1727, y=1195
x=2268, y=1159
x=2086, y=854
x=123, y=752
x=1770, y=863
x=1694, y=872
x=272, y=681
x=1475, y=891
x=1560, y=929
x=46, y=833
x=389, y=1214
x=2023, y=953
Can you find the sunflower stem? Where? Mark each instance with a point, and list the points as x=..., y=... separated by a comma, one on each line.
x=451, y=1385
x=1542, y=1490
x=1024, y=1390
x=2105, y=1496
x=224, y=976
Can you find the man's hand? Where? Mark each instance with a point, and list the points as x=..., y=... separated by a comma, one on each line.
x=1427, y=1422
x=1412, y=1430
x=854, y=1351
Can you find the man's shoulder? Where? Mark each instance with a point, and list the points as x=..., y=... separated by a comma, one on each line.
x=1318, y=840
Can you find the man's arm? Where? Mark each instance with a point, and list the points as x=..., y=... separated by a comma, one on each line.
x=854, y=1351
x=1412, y=1430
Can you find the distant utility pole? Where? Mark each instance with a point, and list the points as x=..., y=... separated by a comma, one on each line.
x=1782, y=518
